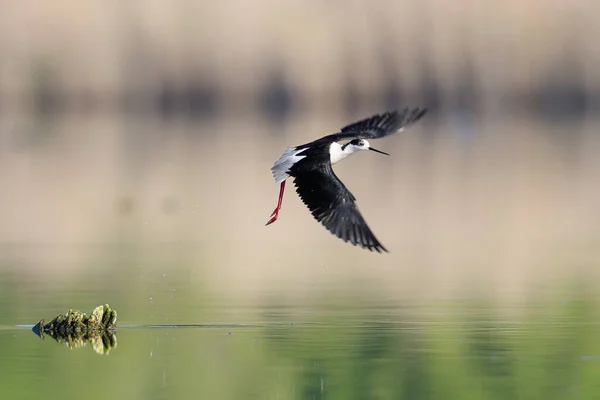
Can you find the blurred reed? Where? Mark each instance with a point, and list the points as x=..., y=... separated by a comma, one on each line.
x=144, y=123
x=204, y=57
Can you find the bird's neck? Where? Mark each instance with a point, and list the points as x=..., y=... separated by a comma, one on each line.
x=337, y=153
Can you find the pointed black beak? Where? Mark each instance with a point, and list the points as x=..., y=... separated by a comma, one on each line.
x=378, y=151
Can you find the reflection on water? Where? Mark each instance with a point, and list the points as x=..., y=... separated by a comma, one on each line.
x=489, y=290
x=345, y=341
x=331, y=348
x=102, y=342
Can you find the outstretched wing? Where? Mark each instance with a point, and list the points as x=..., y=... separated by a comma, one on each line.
x=332, y=204
x=379, y=126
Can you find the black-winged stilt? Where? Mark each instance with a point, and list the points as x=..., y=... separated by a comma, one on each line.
x=329, y=201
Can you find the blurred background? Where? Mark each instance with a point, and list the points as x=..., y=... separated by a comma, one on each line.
x=136, y=141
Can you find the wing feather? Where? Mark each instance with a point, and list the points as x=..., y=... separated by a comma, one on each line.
x=380, y=125
x=332, y=204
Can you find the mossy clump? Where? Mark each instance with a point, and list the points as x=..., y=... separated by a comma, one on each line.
x=75, y=329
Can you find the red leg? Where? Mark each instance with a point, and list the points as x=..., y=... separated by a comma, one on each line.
x=275, y=213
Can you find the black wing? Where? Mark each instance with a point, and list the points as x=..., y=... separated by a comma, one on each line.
x=332, y=204
x=378, y=126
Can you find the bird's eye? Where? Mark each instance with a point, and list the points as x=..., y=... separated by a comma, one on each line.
x=361, y=143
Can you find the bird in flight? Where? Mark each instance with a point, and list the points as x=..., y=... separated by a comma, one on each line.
x=327, y=198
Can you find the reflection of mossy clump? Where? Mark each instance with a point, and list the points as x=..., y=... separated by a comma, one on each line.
x=76, y=328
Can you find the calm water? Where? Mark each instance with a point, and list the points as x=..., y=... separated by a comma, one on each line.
x=489, y=290
x=344, y=341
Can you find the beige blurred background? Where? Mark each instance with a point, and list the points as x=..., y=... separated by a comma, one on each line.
x=154, y=124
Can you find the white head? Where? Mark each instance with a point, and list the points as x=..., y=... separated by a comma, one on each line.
x=359, y=144
x=339, y=152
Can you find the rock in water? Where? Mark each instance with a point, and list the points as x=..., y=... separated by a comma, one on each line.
x=75, y=328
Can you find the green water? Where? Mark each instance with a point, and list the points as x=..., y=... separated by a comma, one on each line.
x=176, y=341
